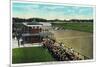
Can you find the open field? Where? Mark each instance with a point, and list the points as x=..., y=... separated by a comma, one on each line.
x=86, y=27
x=31, y=54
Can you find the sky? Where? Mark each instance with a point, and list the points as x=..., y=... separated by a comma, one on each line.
x=50, y=11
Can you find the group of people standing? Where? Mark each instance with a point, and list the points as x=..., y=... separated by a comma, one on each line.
x=59, y=52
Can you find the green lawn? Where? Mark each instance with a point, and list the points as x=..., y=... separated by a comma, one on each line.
x=31, y=54
x=86, y=27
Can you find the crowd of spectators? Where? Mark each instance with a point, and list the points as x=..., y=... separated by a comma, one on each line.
x=59, y=52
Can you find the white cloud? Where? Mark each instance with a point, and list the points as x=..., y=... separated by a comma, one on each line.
x=53, y=7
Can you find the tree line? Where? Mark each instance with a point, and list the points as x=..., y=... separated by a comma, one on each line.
x=45, y=20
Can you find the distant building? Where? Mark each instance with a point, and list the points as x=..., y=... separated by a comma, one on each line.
x=30, y=32
x=34, y=32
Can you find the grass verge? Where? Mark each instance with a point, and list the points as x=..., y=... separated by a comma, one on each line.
x=31, y=54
